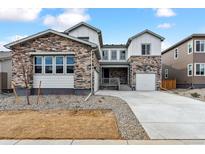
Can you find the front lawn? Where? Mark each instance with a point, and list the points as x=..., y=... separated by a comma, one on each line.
x=58, y=124
x=100, y=117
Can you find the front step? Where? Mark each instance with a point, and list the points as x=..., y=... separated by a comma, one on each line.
x=125, y=87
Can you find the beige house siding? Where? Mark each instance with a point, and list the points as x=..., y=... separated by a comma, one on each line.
x=198, y=58
x=177, y=68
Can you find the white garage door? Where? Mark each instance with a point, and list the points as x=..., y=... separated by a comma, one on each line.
x=145, y=82
x=53, y=81
x=96, y=81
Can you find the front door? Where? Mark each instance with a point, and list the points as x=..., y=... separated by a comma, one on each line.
x=106, y=73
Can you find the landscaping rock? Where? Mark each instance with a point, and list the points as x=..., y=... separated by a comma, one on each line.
x=129, y=126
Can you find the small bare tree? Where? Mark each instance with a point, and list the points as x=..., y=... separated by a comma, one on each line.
x=26, y=79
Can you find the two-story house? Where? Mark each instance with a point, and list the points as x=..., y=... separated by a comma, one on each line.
x=185, y=62
x=77, y=61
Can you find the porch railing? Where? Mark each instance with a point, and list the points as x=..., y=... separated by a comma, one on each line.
x=109, y=82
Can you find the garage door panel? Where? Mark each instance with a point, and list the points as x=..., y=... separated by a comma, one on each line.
x=146, y=82
x=51, y=81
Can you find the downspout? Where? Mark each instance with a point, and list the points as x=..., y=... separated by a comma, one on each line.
x=91, y=74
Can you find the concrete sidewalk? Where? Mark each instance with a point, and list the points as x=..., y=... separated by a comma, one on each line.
x=102, y=142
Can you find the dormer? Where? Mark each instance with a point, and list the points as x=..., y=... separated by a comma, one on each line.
x=86, y=32
x=145, y=43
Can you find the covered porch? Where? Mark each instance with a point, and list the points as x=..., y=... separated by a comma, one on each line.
x=113, y=77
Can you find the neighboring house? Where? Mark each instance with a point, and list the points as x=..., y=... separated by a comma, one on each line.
x=63, y=60
x=5, y=71
x=185, y=62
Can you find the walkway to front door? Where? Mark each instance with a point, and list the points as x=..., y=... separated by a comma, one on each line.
x=164, y=115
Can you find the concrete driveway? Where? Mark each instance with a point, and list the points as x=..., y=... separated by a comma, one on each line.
x=165, y=116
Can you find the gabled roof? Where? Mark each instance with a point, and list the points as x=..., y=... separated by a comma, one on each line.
x=5, y=55
x=182, y=41
x=143, y=32
x=88, y=26
x=47, y=32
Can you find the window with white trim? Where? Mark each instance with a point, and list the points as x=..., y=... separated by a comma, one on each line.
x=145, y=49
x=189, y=70
x=113, y=55
x=105, y=54
x=70, y=64
x=200, y=46
x=122, y=55
x=38, y=64
x=200, y=69
x=166, y=73
x=189, y=48
x=59, y=64
x=176, y=54
x=48, y=64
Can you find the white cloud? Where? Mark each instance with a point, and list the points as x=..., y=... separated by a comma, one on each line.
x=165, y=25
x=19, y=14
x=67, y=19
x=2, y=48
x=16, y=37
x=165, y=13
x=10, y=39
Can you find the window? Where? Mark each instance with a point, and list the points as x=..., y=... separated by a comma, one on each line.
x=70, y=64
x=176, y=54
x=38, y=64
x=200, y=69
x=200, y=46
x=113, y=55
x=190, y=48
x=105, y=54
x=189, y=69
x=122, y=55
x=49, y=64
x=145, y=48
x=166, y=74
x=84, y=38
x=59, y=64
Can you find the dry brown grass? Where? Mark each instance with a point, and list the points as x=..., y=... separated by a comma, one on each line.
x=58, y=124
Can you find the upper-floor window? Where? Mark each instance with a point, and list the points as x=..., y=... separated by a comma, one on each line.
x=189, y=69
x=122, y=55
x=145, y=48
x=105, y=54
x=166, y=73
x=200, y=69
x=38, y=62
x=176, y=54
x=113, y=55
x=59, y=64
x=84, y=38
x=49, y=64
x=200, y=45
x=190, y=48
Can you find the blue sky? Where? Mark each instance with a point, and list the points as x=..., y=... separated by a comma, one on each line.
x=117, y=25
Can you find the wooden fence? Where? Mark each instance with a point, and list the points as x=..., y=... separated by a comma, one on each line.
x=168, y=84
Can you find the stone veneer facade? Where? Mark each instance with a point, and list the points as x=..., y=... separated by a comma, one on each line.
x=51, y=43
x=147, y=64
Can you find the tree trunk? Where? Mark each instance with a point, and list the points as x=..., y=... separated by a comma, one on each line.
x=27, y=96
